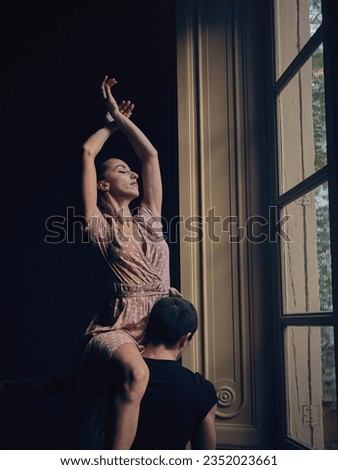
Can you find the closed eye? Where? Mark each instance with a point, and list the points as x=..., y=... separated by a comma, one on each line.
x=122, y=169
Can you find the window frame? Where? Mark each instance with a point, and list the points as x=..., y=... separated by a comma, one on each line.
x=327, y=35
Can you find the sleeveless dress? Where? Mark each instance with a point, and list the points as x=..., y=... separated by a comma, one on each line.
x=136, y=279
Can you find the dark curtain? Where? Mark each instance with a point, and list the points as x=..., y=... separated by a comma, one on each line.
x=55, y=55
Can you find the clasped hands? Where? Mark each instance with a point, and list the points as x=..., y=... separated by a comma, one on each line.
x=113, y=109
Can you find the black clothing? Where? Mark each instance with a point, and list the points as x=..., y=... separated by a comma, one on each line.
x=175, y=402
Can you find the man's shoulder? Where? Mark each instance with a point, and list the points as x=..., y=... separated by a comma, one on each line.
x=182, y=373
x=205, y=387
x=204, y=383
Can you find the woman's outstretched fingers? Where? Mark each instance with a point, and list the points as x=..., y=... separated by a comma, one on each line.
x=126, y=108
x=122, y=105
x=110, y=82
x=106, y=85
x=107, y=90
x=129, y=110
x=104, y=94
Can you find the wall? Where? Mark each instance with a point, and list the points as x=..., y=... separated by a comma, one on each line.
x=55, y=56
x=221, y=157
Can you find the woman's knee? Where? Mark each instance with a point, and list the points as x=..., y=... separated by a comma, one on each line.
x=136, y=382
x=140, y=374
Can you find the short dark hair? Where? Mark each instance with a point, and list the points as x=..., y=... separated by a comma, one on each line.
x=169, y=320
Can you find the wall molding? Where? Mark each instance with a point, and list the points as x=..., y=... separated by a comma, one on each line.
x=215, y=152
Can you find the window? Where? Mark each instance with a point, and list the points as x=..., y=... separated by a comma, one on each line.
x=307, y=316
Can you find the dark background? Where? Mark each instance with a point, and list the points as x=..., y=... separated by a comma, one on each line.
x=54, y=57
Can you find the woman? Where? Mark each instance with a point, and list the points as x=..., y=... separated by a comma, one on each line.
x=137, y=258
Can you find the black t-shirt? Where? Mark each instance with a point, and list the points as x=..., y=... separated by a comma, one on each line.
x=175, y=401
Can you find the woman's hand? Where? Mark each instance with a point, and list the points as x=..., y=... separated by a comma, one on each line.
x=125, y=107
x=113, y=108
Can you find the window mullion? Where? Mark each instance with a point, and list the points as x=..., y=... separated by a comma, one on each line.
x=299, y=60
x=303, y=187
x=307, y=319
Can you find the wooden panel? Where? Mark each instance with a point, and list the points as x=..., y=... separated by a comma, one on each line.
x=215, y=190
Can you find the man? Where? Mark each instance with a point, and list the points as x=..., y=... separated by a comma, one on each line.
x=178, y=405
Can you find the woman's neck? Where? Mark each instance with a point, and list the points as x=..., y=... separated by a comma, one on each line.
x=118, y=208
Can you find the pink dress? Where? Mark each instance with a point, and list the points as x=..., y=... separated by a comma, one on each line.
x=136, y=280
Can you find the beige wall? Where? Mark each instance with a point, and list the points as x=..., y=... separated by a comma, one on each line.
x=219, y=166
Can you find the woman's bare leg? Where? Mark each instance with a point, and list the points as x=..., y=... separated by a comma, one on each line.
x=133, y=378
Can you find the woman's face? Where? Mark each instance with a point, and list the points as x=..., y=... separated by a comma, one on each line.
x=122, y=182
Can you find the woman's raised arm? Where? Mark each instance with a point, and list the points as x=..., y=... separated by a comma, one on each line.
x=146, y=152
x=91, y=148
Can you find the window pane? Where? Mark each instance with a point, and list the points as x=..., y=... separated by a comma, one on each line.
x=295, y=22
x=306, y=255
x=310, y=386
x=301, y=124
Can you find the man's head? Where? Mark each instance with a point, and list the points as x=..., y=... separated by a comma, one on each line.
x=172, y=320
